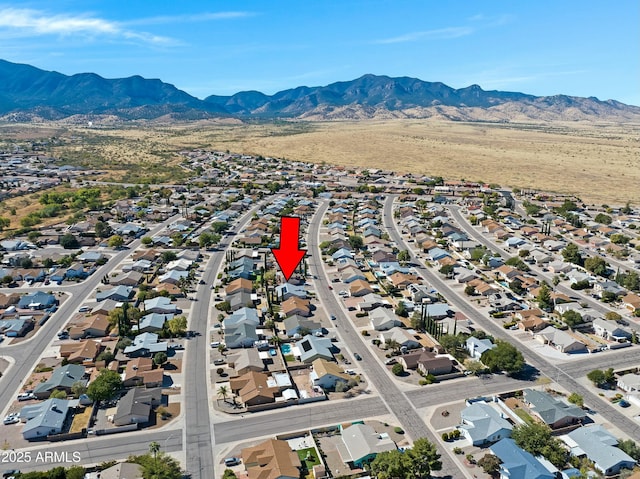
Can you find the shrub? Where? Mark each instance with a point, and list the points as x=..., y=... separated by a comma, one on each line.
x=446, y=437
x=398, y=430
x=458, y=450
x=397, y=369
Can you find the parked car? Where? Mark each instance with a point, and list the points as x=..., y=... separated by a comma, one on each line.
x=10, y=473
x=215, y=344
x=624, y=403
x=218, y=362
x=232, y=461
x=13, y=418
x=333, y=318
x=26, y=396
x=357, y=356
x=84, y=309
x=390, y=361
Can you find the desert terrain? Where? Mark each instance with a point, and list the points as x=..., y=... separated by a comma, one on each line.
x=600, y=163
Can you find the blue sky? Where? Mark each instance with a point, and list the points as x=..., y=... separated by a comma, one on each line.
x=584, y=48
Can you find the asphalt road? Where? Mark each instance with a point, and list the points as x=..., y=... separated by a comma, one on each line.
x=543, y=365
x=199, y=441
x=395, y=399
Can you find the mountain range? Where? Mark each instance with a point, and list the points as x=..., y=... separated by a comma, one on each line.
x=29, y=93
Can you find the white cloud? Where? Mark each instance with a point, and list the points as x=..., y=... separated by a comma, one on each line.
x=189, y=18
x=22, y=22
x=439, y=33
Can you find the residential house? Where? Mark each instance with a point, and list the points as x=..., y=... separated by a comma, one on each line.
x=295, y=305
x=371, y=301
x=403, y=337
x=426, y=362
x=312, y=348
x=173, y=276
x=271, y=459
x=145, y=344
x=239, y=284
x=254, y=388
x=37, y=300
x=245, y=360
x=46, y=418
x=152, y=323
x=94, y=326
x=361, y=444
x=599, y=446
x=7, y=300
x=561, y=340
x=288, y=290
x=131, y=278
x=140, y=372
x=241, y=299
x=327, y=374
x=476, y=347
x=350, y=274
x=136, y=405
x=631, y=301
x=81, y=352
x=483, y=424
x=161, y=305
x=517, y=463
x=553, y=411
x=360, y=287
x=117, y=293
x=62, y=379
x=610, y=330
x=14, y=328
x=629, y=383
x=383, y=319
x=301, y=326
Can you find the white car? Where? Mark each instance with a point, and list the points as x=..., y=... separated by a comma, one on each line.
x=25, y=396
x=13, y=418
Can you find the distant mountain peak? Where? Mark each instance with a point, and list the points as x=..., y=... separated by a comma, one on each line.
x=26, y=90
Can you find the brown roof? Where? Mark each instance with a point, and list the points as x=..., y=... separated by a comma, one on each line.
x=399, y=279
x=294, y=303
x=271, y=459
x=238, y=285
x=252, y=385
x=80, y=351
x=9, y=299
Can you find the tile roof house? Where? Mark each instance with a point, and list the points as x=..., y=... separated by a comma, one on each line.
x=360, y=287
x=245, y=360
x=117, y=293
x=361, y=444
x=426, y=362
x=254, y=388
x=81, y=352
x=295, y=324
x=517, y=463
x=239, y=284
x=295, y=305
x=483, y=424
x=552, y=411
x=139, y=371
x=599, y=446
x=152, y=323
x=271, y=459
x=94, y=326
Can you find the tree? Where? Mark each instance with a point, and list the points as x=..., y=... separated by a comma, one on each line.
x=451, y=342
x=105, y=386
x=619, y=238
x=517, y=263
x=4, y=223
x=403, y=256
x=391, y=465
x=106, y=356
x=401, y=309
x=229, y=474
x=447, y=269
x=157, y=465
x=78, y=389
x=102, y=229
x=536, y=438
x=630, y=447
x=146, y=240
x=160, y=358
x=58, y=394
x=224, y=306
x=596, y=265
x=503, y=357
x=424, y=458
x=575, y=398
x=490, y=464
x=223, y=392
x=177, y=326
x=544, y=297
x=68, y=241
x=603, y=219
x=168, y=256
x=356, y=242
x=470, y=290
x=397, y=369
x=572, y=318
x=418, y=462
x=207, y=239
x=571, y=253
x=116, y=241
x=596, y=377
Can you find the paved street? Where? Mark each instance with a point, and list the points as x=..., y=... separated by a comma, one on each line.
x=552, y=370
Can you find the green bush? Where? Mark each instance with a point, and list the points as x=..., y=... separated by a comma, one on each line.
x=398, y=430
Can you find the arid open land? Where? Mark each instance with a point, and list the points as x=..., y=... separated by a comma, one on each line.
x=598, y=163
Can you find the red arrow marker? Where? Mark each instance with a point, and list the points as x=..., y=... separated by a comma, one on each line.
x=289, y=255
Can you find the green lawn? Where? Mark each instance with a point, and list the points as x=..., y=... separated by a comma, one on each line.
x=308, y=457
x=289, y=358
x=522, y=414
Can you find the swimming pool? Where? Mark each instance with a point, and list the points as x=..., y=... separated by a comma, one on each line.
x=286, y=349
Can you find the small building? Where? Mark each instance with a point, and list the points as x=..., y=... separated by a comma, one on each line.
x=361, y=444
x=271, y=459
x=136, y=405
x=62, y=379
x=483, y=424
x=599, y=446
x=518, y=463
x=477, y=347
x=327, y=374
x=552, y=411
x=46, y=418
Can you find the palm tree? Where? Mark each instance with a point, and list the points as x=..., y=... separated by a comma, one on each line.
x=154, y=448
x=223, y=391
